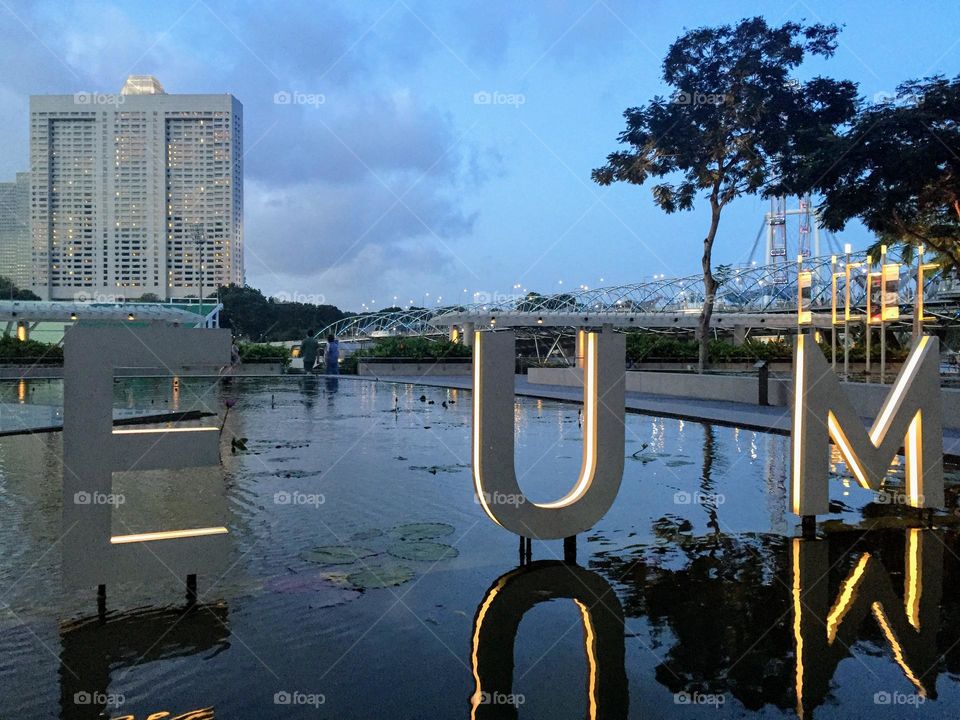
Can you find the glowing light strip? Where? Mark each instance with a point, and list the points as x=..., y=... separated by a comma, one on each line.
x=897, y=648
x=475, y=661
x=881, y=425
x=797, y=634
x=590, y=638
x=798, y=427
x=914, y=580
x=914, y=460
x=845, y=598
x=850, y=457
x=167, y=535
x=477, y=394
x=590, y=406
x=164, y=431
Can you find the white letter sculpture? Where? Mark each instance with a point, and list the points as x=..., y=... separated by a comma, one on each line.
x=494, y=473
x=911, y=416
x=93, y=450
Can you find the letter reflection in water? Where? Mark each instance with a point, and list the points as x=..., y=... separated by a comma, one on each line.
x=498, y=619
x=601, y=471
x=824, y=633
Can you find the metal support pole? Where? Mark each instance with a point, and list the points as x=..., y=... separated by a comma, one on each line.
x=570, y=549
x=883, y=314
x=846, y=315
x=833, y=313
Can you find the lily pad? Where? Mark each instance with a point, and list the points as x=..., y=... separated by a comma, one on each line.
x=367, y=534
x=678, y=463
x=380, y=576
x=644, y=457
x=336, y=554
x=422, y=531
x=423, y=550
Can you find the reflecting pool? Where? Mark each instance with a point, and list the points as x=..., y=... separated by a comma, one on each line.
x=365, y=581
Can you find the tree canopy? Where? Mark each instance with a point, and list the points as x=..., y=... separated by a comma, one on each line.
x=735, y=115
x=251, y=315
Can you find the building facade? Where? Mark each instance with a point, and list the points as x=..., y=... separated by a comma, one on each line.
x=135, y=193
x=15, y=245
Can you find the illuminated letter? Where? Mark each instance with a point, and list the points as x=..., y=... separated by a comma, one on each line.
x=823, y=636
x=494, y=474
x=93, y=450
x=910, y=416
x=498, y=619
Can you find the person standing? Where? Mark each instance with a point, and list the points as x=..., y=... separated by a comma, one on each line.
x=331, y=356
x=308, y=351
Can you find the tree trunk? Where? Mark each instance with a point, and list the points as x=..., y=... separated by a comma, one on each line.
x=709, y=286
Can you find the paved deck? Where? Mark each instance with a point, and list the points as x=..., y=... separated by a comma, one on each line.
x=753, y=417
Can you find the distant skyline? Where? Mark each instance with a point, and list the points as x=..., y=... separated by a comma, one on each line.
x=395, y=149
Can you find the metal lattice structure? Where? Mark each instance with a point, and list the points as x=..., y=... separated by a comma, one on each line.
x=757, y=294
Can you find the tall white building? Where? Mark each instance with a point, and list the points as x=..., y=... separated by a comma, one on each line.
x=15, y=246
x=138, y=192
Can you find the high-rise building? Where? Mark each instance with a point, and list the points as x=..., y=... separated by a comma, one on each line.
x=134, y=193
x=15, y=246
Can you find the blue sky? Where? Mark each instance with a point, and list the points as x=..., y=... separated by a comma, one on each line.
x=436, y=147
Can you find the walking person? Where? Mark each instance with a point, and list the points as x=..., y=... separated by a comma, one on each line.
x=331, y=356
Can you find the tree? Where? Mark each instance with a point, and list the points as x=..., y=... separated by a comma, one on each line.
x=734, y=116
x=897, y=169
x=249, y=314
x=9, y=291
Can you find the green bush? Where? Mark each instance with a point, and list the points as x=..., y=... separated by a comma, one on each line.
x=31, y=350
x=414, y=348
x=258, y=352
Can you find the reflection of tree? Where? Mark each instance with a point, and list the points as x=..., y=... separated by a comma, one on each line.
x=724, y=604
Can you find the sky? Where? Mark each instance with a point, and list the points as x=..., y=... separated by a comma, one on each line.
x=434, y=151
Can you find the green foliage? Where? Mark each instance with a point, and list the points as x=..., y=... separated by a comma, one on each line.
x=9, y=291
x=896, y=168
x=414, y=348
x=735, y=114
x=259, y=352
x=31, y=350
x=251, y=315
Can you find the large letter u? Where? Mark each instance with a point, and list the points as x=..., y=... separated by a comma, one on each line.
x=494, y=474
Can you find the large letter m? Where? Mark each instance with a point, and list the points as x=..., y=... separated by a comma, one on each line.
x=910, y=418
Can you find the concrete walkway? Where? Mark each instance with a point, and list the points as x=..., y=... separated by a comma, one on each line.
x=753, y=417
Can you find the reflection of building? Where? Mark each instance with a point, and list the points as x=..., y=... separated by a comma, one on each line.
x=92, y=650
x=138, y=192
x=498, y=619
x=15, y=248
